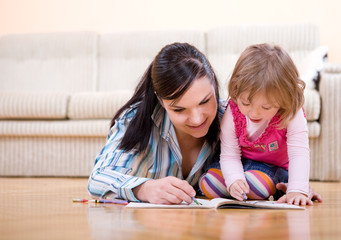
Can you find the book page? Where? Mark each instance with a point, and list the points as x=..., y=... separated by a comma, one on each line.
x=205, y=204
x=273, y=204
x=261, y=204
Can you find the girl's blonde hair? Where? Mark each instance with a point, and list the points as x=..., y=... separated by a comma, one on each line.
x=268, y=69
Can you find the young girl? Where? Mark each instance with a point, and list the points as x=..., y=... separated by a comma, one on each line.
x=264, y=134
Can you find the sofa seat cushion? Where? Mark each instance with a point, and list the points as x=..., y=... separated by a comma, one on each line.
x=59, y=128
x=97, y=105
x=33, y=105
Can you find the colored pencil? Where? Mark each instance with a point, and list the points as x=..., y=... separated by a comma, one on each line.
x=114, y=201
x=79, y=200
x=196, y=201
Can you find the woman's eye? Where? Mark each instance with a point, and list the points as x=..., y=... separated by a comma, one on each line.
x=178, y=110
x=205, y=101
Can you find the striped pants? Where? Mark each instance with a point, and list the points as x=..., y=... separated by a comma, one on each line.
x=261, y=178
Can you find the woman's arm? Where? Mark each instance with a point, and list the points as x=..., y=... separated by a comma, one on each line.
x=112, y=166
x=115, y=174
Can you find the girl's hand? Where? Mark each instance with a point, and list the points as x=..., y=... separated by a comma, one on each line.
x=237, y=189
x=168, y=190
x=312, y=195
x=295, y=198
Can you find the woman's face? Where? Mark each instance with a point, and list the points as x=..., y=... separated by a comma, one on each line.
x=193, y=112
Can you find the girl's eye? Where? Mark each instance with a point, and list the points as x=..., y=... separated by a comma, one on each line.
x=245, y=104
x=266, y=108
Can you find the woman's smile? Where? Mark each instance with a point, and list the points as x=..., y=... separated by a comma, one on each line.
x=198, y=127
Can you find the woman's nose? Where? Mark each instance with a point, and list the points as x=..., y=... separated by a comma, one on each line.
x=196, y=117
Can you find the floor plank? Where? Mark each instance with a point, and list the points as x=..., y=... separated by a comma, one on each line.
x=42, y=208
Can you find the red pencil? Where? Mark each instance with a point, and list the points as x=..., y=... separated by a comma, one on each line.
x=79, y=200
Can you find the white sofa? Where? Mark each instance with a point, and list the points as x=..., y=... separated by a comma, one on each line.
x=58, y=91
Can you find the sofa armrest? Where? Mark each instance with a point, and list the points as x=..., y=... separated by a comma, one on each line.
x=332, y=68
x=329, y=161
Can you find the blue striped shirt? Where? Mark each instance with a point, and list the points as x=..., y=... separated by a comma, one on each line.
x=116, y=172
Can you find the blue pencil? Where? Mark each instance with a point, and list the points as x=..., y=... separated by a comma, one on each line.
x=244, y=197
x=114, y=201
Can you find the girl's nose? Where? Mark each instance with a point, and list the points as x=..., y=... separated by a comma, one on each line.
x=254, y=113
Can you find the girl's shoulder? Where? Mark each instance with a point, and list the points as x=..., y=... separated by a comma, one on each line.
x=298, y=120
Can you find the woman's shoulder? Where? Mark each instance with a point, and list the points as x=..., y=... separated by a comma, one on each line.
x=126, y=116
x=122, y=122
x=129, y=113
x=222, y=104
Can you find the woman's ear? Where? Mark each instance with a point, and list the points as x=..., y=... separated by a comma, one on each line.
x=160, y=100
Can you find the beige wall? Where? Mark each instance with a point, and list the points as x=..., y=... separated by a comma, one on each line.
x=20, y=16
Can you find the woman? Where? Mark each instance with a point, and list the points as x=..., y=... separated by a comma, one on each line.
x=165, y=135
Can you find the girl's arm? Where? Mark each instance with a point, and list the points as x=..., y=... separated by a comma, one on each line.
x=230, y=156
x=298, y=154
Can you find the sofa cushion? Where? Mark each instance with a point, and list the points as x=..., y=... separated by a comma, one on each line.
x=60, y=128
x=49, y=61
x=312, y=66
x=126, y=55
x=97, y=105
x=33, y=105
x=226, y=43
x=314, y=129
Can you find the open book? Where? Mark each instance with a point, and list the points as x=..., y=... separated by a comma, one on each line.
x=219, y=203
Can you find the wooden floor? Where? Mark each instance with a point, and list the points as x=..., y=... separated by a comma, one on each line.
x=42, y=208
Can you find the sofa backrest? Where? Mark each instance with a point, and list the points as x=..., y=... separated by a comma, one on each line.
x=88, y=61
x=124, y=57
x=48, y=61
x=225, y=44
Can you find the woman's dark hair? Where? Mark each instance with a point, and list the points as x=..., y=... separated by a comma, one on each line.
x=169, y=76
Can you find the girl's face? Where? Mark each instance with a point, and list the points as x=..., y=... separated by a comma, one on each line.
x=259, y=109
x=193, y=112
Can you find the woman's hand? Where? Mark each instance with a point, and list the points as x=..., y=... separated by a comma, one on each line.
x=237, y=189
x=168, y=190
x=295, y=198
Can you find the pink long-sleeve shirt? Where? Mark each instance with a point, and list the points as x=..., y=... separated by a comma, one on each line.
x=296, y=160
